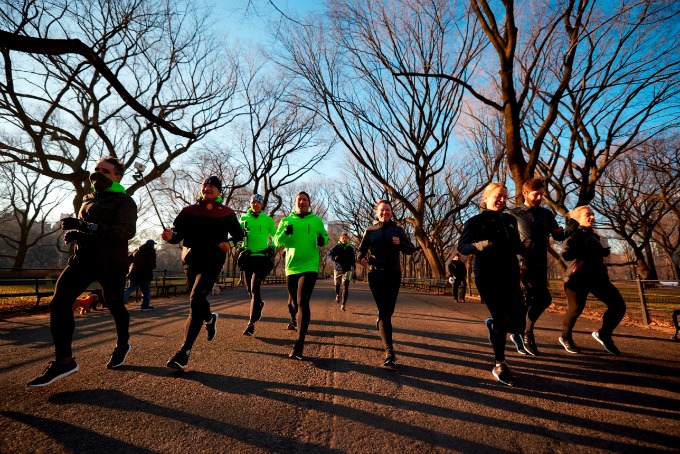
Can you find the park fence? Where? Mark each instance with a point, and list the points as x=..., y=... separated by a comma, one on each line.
x=647, y=301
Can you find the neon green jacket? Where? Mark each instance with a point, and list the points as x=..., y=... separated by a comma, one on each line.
x=302, y=252
x=258, y=229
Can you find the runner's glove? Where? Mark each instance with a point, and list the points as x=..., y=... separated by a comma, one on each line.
x=77, y=224
x=320, y=240
x=288, y=230
x=74, y=235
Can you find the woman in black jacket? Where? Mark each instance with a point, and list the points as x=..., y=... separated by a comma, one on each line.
x=587, y=273
x=205, y=228
x=380, y=247
x=493, y=238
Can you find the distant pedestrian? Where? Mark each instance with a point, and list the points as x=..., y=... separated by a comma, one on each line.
x=255, y=259
x=493, y=238
x=344, y=258
x=586, y=274
x=380, y=250
x=302, y=233
x=458, y=273
x=205, y=229
x=142, y=263
x=106, y=221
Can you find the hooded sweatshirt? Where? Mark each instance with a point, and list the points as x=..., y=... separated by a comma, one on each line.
x=258, y=229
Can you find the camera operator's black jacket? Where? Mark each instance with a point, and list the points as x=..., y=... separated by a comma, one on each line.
x=203, y=229
x=142, y=263
x=115, y=214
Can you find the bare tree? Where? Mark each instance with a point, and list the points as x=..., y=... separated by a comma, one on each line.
x=30, y=202
x=629, y=198
x=387, y=123
x=60, y=112
x=279, y=139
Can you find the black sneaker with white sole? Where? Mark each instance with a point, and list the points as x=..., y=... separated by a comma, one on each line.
x=179, y=361
x=519, y=343
x=390, y=361
x=250, y=330
x=568, y=345
x=53, y=372
x=118, y=356
x=607, y=343
x=530, y=344
x=296, y=353
x=292, y=326
x=211, y=326
x=503, y=374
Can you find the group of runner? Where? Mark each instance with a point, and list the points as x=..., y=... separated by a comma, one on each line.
x=209, y=229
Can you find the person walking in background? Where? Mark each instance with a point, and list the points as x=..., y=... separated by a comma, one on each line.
x=536, y=224
x=205, y=228
x=142, y=263
x=255, y=258
x=458, y=273
x=493, y=238
x=342, y=254
x=587, y=273
x=301, y=233
x=380, y=247
x=106, y=222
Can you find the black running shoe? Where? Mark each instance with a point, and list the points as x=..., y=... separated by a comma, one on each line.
x=607, y=343
x=342, y=307
x=568, y=345
x=530, y=344
x=259, y=315
x=337, y=298
x=503, y=375
x=296, y=353
x=489, y=327
x=390, y=361
x=179, y=361
x=211, y=326
x=53, y=372
x=519, y=343
x=148, y=308
x=292, y=326
x=250, y=330
x=118, y=356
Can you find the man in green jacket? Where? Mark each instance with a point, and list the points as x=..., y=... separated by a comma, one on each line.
x=301, y=233
x=255, y=258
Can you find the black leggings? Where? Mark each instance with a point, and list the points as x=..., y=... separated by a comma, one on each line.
x=506, y=305
x=257, y=269
x=538, y=297
x=385, y=289
x=602, y=289
x=71, y=283
x=201, y=282
x=300, y=288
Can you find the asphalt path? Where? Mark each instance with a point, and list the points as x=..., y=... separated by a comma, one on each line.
x=243, y=394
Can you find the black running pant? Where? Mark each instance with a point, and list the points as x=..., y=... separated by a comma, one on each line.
x=300, y=288
x=73, y=281
x=459, y=288
x=503, y=298
x=385, y=289
x=538, y=297
x=602, y=289
x=257, y=269
x=200, y=280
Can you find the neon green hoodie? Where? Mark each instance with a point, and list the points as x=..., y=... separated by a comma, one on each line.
x=258, y=229
x=302, y=252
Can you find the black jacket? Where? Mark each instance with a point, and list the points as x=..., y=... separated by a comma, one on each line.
x=537, y=224
x=382, y=253
x=344, y=257
x=203, y=227
x=142, y=263
x=493, y=237
x=115, y=214
x=586, y=254
x=457, y=269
